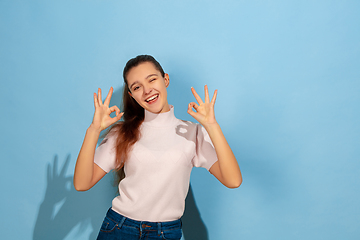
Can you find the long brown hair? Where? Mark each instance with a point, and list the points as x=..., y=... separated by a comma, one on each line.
x=128, y=131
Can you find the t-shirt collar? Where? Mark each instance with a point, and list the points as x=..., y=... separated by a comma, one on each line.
x=160, y=119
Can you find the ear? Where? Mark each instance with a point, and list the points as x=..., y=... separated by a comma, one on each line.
x=167, y=79
x=130, y=93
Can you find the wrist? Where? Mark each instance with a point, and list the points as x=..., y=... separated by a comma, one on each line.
x=94, y=128
x=211, y=126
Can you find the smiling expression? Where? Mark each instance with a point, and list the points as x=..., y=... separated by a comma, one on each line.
x=148, y=87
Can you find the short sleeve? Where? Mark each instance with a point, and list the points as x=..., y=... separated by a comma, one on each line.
x=105, y=154
x=205, y=155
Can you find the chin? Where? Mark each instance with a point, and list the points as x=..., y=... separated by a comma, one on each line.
x=155, y=109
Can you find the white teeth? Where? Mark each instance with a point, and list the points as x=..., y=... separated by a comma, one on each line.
x=151, y=98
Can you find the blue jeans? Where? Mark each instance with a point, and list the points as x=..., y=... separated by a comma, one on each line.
x=118, y=227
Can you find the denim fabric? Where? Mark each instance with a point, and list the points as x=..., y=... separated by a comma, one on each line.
x=118, y=227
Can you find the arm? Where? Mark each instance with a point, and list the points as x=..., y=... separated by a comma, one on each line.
x=87, y=173
x=226, y=169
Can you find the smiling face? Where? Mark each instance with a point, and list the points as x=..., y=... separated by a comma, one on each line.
x=148, y=87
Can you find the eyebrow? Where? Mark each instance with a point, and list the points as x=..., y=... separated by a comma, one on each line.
x=154, y=74
x=151, y=75
x=133, y=84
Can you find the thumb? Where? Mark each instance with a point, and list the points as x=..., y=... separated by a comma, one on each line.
x=116, y=118
x=191, y=111
x=119, y=116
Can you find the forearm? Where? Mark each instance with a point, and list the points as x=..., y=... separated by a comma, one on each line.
x=230, y=174
x=84, y=168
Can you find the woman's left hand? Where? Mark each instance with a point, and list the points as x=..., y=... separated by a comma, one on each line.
x=204, y=111
x=226, y=169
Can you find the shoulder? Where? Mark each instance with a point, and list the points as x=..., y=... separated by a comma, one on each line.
x=188, y=128
x=188, y=124
x=112, y=134
x=192, y=125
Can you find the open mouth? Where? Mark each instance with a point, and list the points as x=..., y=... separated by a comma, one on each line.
x=152, y=98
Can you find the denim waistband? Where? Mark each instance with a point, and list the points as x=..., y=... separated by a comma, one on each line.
x=143, y=225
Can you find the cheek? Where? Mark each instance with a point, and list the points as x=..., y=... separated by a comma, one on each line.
x=162, y=87
x=136, y=97
x=164, y=90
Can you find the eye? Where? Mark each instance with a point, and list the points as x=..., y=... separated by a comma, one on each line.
x=136, y=88
x=153, y=79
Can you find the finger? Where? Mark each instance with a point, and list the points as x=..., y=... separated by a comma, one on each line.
x=207, y=98
x=99, y=97
x=117, y=118
x=197, y=97
x=194, y=105
x=108, y=97
x=115, y=109
x=96, y=103
x=118, y=113
x=190, y=110
x=214, y=97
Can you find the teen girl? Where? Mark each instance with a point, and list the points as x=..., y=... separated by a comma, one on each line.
x=155, y=150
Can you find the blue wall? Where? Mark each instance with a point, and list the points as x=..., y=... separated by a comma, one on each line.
x=288, y=79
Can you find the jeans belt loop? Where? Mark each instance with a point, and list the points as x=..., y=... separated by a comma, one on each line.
x=159, y=228
x=121, y=222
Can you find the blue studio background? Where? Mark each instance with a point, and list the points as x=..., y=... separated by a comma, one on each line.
x=288, y=79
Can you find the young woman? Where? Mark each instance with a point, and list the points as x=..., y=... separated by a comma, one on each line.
x=155, y=150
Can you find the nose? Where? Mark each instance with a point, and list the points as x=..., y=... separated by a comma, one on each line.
x=147, y=89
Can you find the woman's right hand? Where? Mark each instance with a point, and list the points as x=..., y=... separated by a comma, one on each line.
x=102, y=119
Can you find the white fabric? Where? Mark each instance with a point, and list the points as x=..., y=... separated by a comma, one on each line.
x=159, y=166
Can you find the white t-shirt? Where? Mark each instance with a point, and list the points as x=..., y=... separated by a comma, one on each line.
x=158, y=167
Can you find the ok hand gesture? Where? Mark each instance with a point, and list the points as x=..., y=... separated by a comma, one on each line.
x=204, y=110
x=102, y=119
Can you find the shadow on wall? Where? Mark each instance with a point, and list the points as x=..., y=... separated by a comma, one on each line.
x=64, y=208
x=192, y=224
